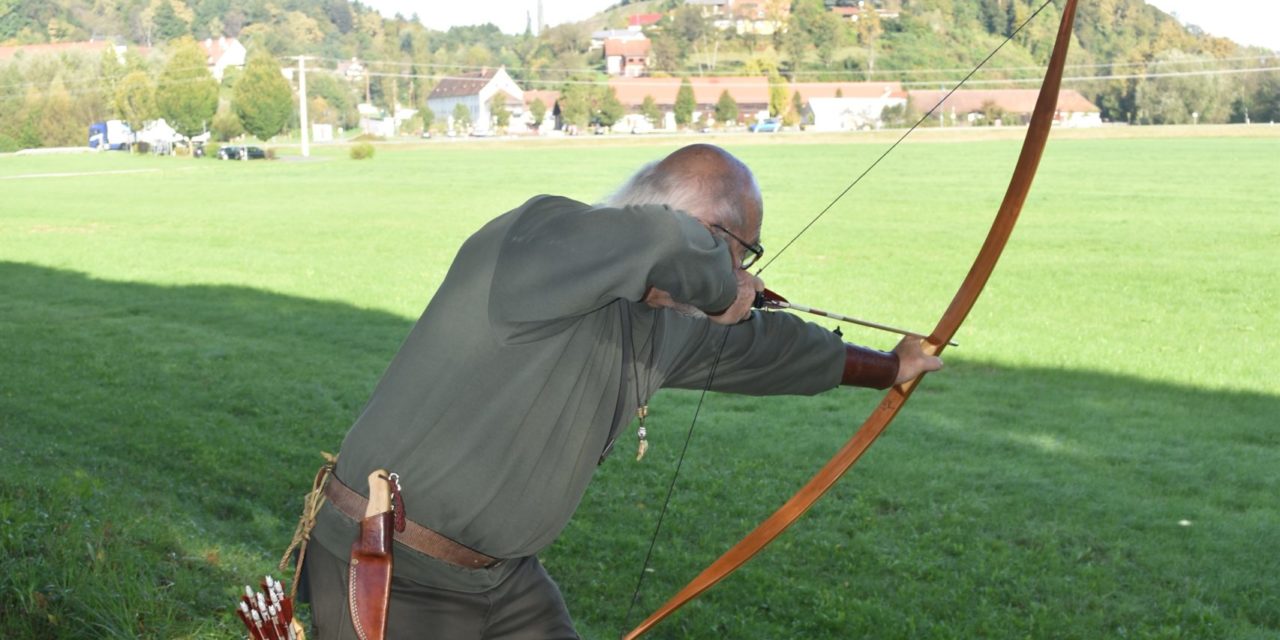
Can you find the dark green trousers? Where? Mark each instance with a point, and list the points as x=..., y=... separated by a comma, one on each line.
x=525, y=606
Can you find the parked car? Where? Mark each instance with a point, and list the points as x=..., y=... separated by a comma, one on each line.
x=768, y=125
x=241, y=153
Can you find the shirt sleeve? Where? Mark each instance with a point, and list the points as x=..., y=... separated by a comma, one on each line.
x=770, y=354
x=561, y=259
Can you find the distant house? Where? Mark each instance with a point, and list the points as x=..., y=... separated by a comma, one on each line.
x=853, y=14
x=848, y=106
x=753, y=16
x=598, y=37
x=627, y=57
x=712, y=8
x=551, y=121
x=222, y=54
x=1014, y=105
x=721, y=13
x=377, y=121
x=476, y=92
x=351, y=69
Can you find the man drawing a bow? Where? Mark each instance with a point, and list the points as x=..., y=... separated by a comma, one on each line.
x=555, y=323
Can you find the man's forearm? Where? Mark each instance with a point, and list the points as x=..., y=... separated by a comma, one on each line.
x=865, y=367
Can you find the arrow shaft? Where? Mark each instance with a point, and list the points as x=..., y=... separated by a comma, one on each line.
x=843, y=318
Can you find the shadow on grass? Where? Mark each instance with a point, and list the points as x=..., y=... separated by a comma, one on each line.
x=155, y=441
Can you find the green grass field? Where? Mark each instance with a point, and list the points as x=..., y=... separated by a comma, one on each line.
x=1101, y=457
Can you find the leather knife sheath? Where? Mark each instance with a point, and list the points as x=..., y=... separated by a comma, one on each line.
x=369, y=582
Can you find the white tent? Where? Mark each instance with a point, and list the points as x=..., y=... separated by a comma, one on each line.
x=157, y=133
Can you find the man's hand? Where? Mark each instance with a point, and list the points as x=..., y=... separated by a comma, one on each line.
x=912, y=360
x=748, y=286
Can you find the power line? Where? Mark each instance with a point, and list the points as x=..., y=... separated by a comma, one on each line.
x=914, y=83
x=1097, y=65
x=1125, y=76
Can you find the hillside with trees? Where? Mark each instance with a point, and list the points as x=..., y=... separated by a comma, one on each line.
x=1149, y=69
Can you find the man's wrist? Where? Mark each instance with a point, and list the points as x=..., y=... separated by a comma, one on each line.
x=865, y=367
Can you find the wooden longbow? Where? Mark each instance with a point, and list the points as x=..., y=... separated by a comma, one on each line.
x=963, y=301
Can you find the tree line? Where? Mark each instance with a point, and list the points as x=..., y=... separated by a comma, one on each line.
x=50, y=101
x=919, y=42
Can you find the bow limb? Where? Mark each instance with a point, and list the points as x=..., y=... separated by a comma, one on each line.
x=963, y=301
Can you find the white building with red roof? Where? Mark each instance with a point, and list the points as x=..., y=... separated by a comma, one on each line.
x=222, y=54
x=551, y=119
x=848, y=106
x=627, y=57
x=476, y=91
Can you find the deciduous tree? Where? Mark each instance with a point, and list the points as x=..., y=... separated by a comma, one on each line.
x=226, y=125
x=1184, y=99
x=649, y=109
x=166, y=24
x=609, y=109
x=777, y=95
x=263, y=99
x=869, y=32
x=685, y=103
x=498, y=109
x=538, y=109
x=575, y=104
x=821, y=27
x=187, y=94
x=110, y=73
x=461, y=118
x=136, y=99
x=55, y=123
x=797, y=108
x=726, y=109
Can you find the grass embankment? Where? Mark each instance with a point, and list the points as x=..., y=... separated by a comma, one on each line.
x=1098, y=460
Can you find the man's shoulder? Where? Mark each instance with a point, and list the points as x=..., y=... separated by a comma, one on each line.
x=545, y=204
x=549, y=203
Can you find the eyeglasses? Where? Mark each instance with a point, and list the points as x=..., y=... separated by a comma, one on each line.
x=754, y=250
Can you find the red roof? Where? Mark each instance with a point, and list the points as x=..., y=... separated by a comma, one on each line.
x=466, y=84
x=643, y=19
x=849, y=89
x=1020, y=101
x=548, y=98
x=627, y=48
x=215, y=49
x=706, y=91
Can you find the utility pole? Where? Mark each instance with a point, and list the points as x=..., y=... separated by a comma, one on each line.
x=302, y=106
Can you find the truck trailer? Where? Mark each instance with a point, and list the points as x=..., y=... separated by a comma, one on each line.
x=112, y=134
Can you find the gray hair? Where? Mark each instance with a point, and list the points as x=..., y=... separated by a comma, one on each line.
x=716, y=197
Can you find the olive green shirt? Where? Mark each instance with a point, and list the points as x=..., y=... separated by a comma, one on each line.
x=513, y=384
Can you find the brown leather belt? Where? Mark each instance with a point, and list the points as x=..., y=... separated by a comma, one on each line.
x=414, y=536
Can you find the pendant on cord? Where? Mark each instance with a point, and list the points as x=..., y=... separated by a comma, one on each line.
x=642, y=446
